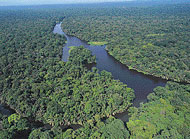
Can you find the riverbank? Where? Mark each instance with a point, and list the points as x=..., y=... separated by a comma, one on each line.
x=147, y=73
x=138, y=70
x=141, y=83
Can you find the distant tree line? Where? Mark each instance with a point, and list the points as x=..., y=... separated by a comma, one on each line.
x=152, y=40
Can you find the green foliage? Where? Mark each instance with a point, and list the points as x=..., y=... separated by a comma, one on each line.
x=65, y=135
x=114, y=130
x=39, y=86
x=155, y=35
x=71, y=48
x=80, y=55
x=14, y=125
x=164, y=116
x=98, y=43
x=13, y=118
x=111, y=128
x=152, y=40
x=40, y=134
x=5, y=134
x=141, y=129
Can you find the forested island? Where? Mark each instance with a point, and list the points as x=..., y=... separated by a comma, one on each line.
x=55, y=99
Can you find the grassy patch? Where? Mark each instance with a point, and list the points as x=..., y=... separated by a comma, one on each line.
x=97, y=43
x=154, y=35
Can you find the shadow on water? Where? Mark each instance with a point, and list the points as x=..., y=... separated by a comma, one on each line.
x=142, y=84
x=73, y=126
x=6, y=110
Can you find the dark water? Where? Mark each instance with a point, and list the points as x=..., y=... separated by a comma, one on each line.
x=5, y=110
x=71, y=41
x=142, y=84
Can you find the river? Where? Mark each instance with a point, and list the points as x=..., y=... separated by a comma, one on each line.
x=142, y=84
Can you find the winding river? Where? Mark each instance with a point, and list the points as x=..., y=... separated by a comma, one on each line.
x=142, y=84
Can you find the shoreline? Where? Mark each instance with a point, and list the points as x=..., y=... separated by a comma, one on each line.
x=137, y=70
x=148, y=74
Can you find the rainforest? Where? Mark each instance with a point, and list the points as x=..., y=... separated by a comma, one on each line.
x=95, y=71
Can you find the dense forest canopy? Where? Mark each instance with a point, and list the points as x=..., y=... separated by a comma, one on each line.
x=39, y=86
x=49, y=95
x=166, y=115
x=153, y=40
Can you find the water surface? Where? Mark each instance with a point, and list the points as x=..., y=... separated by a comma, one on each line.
x=142, y=84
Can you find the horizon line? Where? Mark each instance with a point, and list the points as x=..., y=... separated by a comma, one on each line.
x=67, y=3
